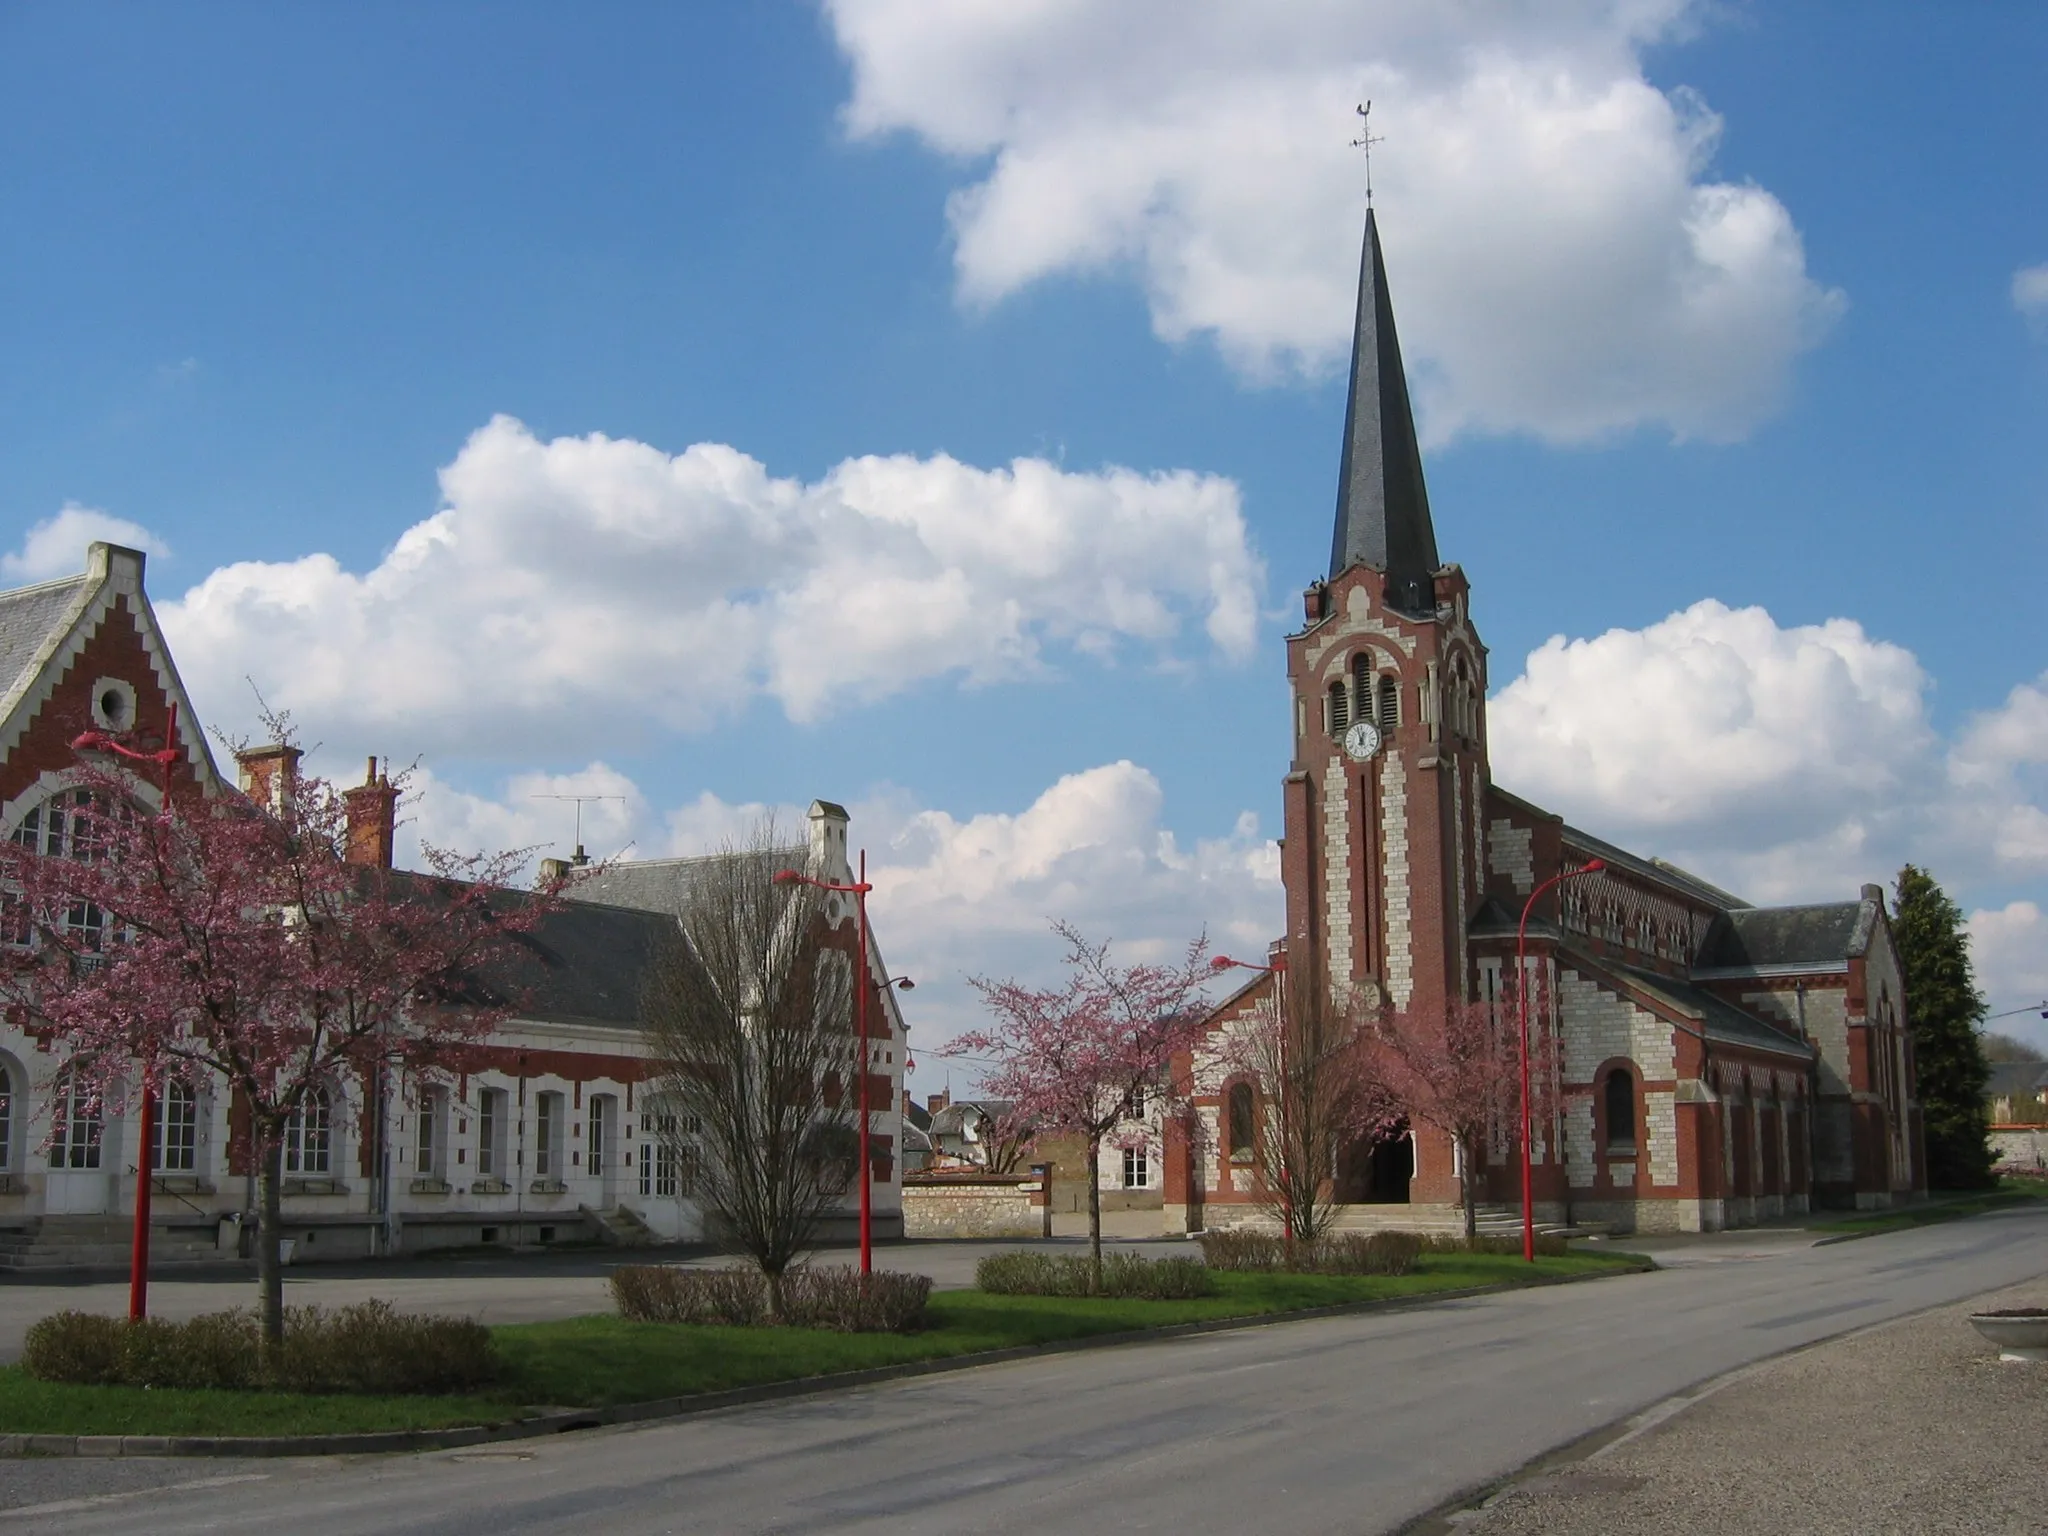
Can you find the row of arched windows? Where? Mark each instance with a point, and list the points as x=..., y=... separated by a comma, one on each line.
x=1364, y=695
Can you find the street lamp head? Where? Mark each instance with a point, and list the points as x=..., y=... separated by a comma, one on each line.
x=1594, y=867
x=1223, y=963
x=787, y=877
x=902, y=983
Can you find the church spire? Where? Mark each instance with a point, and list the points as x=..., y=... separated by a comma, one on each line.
x=1382, y=504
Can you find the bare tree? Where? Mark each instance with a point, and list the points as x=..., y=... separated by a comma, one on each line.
x=1308, y=1057
x=748, y=1012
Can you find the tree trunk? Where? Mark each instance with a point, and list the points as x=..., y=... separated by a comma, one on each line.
x=269, y=1273
x=1465, y=1193
x=1094, y=1217
x=773, y=1277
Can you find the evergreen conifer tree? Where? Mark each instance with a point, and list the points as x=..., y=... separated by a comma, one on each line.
x=1944, y=1009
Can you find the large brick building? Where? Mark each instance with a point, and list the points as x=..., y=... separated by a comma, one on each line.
x=1717, y=1063
x=551, y=1135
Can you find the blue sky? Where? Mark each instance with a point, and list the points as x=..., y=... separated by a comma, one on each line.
x=267, y=273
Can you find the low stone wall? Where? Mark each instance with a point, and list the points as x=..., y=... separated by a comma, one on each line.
x=2020, y=1148
x=974, y=1205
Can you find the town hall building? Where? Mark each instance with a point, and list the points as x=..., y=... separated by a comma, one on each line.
x=552, y=1134
x=1716, y=1063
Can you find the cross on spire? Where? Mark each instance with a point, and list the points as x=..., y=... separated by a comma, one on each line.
x=1365, y=141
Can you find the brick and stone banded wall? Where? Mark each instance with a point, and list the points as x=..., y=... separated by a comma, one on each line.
x=980, y=1206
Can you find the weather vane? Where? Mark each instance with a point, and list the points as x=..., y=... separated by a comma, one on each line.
x=1365, y=141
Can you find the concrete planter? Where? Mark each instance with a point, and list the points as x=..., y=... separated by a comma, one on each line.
x=2019, y=1335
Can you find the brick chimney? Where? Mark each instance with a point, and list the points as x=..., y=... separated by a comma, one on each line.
x=267, y=771
x=938, y=1101
x=372, y=819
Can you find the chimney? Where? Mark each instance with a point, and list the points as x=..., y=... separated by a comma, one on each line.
x=1875, y=895
x=267, y=772
x=938, y=1101
x=372, y=819
x=553, y=871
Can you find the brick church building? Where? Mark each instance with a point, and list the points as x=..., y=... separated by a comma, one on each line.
x=550, y=1136
x=1716, y=1063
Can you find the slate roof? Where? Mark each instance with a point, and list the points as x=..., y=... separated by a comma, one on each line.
x=1382, y=503
x=1653, y=869
x=587, y=963
x=1718, y=1018
x=29, y=619
x=658, y=885
x=2016, y=1079
x=1765, y=937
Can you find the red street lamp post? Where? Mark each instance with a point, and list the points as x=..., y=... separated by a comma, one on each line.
x=859, y=891
x=138, y=1248
x=1522, y=1008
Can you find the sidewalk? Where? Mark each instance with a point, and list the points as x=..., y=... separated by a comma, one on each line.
x=1911, y=1427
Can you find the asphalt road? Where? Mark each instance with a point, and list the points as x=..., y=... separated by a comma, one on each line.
x=1352, y=1424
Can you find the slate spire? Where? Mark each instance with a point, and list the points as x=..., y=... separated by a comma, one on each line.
x=1382, y=504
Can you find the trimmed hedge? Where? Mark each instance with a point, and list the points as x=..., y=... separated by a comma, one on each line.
x=367, y=1348
x=1124, y=1275
x=1353, y=1253
x=836, y=1297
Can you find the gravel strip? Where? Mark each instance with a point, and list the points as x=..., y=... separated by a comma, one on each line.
x=1911, y=1427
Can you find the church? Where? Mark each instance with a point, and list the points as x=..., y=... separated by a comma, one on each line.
x=1714, y=1063
x=550, y=1136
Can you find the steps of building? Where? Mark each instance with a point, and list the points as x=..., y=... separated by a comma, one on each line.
x=52, y=1244
x=620, y=1226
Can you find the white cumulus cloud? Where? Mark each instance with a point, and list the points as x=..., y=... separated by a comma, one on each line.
x=2009, y=947
x=1563, y=262
x=596, y=583
x=56, y=546
x=2030, y=291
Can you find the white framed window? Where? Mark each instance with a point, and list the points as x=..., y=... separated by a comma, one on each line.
x=176, y=1141
x=547, y=1136
x=6, y=1119
x=430, y=1139
x=490, y=1133
x=309, y=1135
x=1137, y=1168
x=76, y=1124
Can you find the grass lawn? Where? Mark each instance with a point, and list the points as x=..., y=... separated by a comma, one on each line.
x=595, y=1361
x=2010, y=1192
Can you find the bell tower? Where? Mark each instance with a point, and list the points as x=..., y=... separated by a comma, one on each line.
x=1383, y=857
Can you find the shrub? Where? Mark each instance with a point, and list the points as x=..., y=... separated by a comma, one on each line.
x=1548, y=1246
x=73, y=1346
x=662, y=1293
x=1123, y=1275
x=843, y=1299
x=220, y=1349
x=366, y=1348
x=1241, y=1250
x=838, y=1297
x=371, y=1348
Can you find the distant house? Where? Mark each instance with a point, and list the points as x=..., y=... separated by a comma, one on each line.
x=2017, y=1092
x=967, y=1133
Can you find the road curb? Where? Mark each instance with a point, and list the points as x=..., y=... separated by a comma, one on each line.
x=565, y=1421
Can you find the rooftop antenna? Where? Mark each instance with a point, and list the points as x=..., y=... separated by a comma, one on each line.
x=1365, y=141
x=581, y=857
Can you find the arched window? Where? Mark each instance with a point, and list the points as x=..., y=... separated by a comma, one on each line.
x=74, y=1125
x=1621, y=1111
x=67, y=825
x=1390, y=703
x=6, y=1119
x=309, y=1135
x=1339, y=709
x=177, y=1130
x=1241, y=1122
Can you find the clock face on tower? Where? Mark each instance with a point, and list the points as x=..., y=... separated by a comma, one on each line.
x=1362, y=741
